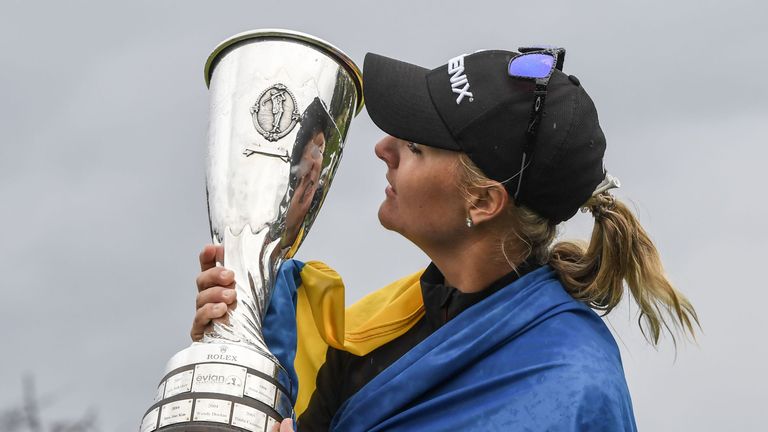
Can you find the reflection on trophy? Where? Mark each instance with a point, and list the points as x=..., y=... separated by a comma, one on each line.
x=280, y=107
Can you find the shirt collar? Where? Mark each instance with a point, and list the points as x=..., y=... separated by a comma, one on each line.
x=443, y=302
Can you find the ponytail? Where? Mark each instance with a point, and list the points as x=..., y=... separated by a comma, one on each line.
x=620, y=251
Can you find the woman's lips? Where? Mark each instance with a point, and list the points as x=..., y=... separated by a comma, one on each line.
x=390, y=190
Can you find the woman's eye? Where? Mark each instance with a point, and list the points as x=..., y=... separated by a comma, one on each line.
x=413, y=147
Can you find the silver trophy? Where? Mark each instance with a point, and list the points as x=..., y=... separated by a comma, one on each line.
x=280, y=107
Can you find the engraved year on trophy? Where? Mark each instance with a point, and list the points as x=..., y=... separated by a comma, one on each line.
x=280, y=107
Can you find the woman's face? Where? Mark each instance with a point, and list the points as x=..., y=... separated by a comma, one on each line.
x=307, y=170
x=422, y=201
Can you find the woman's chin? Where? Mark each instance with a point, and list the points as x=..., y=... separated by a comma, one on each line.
x=385, y=217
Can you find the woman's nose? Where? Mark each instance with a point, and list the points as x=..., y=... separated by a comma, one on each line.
x=386, y=150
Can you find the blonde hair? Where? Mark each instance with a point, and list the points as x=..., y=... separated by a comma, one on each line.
x=619, y=252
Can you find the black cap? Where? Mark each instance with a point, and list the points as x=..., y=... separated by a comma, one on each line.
x=472, y=105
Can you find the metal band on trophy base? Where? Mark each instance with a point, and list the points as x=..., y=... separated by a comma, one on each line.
x=280, y=107
x=221, y=384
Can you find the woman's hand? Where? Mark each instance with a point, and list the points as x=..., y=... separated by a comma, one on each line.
x=215, y=294
x=215, y=291
x=285, y=426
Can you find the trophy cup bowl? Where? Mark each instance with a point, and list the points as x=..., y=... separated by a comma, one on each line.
x=280, y=107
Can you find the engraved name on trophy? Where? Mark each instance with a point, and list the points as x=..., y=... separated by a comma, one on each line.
x=280, y=107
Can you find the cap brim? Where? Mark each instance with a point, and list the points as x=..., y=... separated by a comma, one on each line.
x=397, y=99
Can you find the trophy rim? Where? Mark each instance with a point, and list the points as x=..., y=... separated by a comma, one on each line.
x=275, y=33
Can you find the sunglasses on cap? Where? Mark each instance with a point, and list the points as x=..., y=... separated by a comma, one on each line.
x=535, y=64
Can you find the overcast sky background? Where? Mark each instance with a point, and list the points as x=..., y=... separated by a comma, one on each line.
x=103, y=115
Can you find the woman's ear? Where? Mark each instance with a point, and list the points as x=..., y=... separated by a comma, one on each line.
x=487, y=203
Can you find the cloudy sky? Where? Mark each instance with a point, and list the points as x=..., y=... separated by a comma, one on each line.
x=103, y=114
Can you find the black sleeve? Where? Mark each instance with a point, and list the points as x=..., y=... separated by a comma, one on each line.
x=326, y=399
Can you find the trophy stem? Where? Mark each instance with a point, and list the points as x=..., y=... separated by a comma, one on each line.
x=254, y=257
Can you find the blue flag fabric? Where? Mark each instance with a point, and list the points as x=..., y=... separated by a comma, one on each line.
x=527, y=358
x=279, y=325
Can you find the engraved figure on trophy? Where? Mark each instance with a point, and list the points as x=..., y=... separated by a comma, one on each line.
x=264, y=190
x=271, y=122
x=277, y=98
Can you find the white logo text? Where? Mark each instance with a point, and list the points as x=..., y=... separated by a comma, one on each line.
x=459, y=81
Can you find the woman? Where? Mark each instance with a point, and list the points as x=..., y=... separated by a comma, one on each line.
x=485, y=156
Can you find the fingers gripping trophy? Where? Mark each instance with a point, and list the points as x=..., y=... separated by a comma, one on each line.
x=280, y=107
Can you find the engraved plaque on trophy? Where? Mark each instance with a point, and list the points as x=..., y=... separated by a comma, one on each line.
x=280, y=107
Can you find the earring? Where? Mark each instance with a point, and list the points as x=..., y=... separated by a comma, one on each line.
x=470, y=224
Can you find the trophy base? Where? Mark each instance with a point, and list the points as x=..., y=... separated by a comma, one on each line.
x=201, y=427
x=220, y=387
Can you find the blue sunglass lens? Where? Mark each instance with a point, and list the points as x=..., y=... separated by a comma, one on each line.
x=531, y=65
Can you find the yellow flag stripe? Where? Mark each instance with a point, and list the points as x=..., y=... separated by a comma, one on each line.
x=322, y=320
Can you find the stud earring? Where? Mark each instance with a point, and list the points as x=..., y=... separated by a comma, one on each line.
x=470, y=224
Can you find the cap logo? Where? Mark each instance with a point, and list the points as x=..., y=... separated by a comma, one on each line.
x=459, y=80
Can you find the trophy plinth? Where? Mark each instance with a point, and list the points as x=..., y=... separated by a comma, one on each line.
x=220, y=385
x=280, y=107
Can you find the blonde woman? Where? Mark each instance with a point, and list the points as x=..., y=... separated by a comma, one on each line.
x=484, y=157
